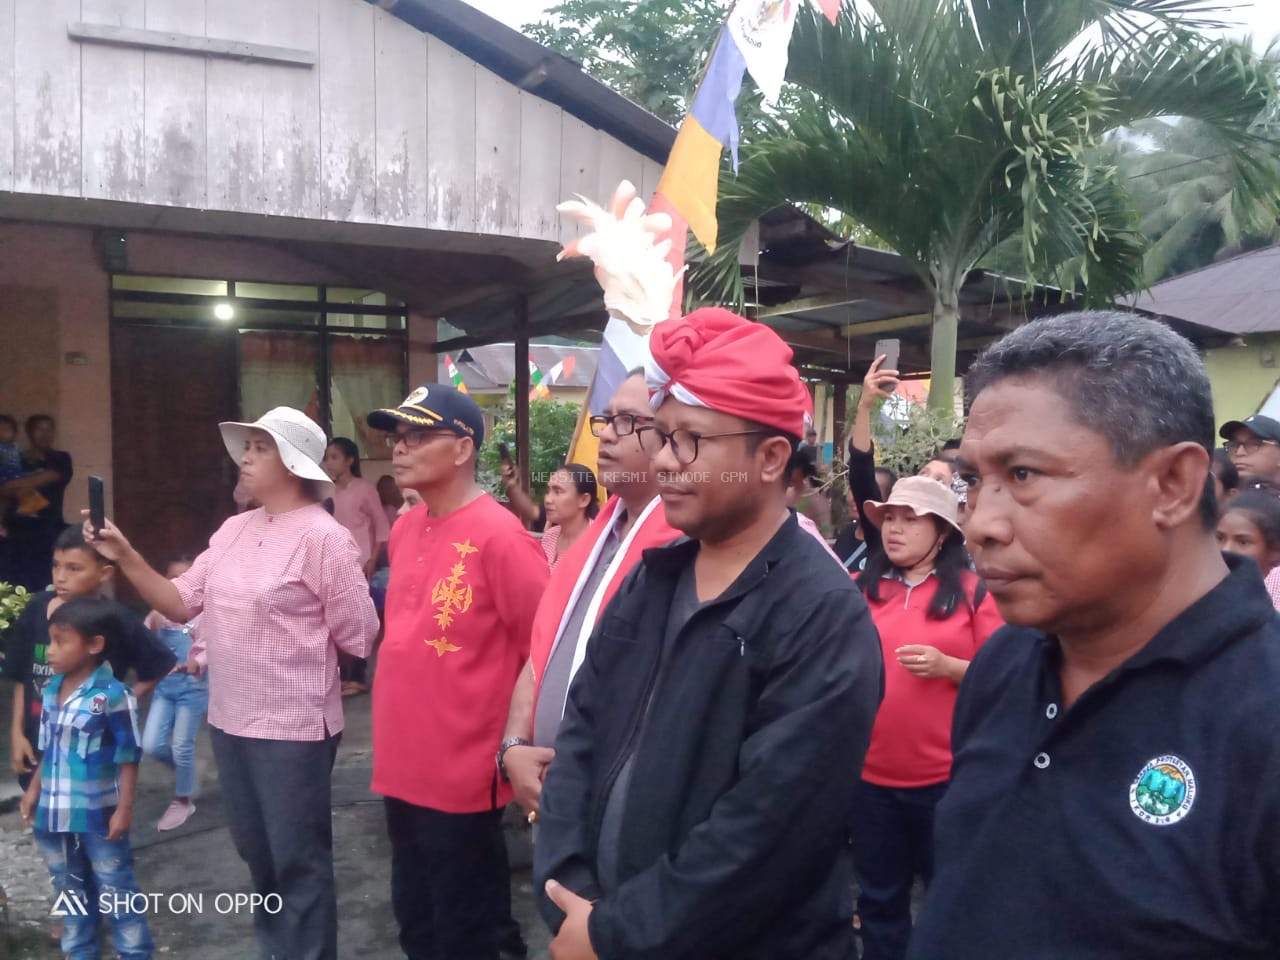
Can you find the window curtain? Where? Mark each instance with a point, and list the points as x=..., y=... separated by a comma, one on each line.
x=366, y=373
x=279, y=369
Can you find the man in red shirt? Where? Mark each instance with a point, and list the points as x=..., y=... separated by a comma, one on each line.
x=465, y=582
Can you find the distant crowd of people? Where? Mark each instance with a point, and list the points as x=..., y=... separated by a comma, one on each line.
x=33, y=479
x=1039, y=675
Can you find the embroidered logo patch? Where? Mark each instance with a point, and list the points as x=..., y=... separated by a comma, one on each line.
x=98, y=705
x=417, y=396
x=1163, y=792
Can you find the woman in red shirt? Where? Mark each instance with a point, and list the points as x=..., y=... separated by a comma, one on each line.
x=933, y=615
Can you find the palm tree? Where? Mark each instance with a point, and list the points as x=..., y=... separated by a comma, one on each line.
x=947, y=126
x=1181, y=180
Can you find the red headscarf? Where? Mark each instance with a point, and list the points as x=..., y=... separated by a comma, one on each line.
x=717, y=359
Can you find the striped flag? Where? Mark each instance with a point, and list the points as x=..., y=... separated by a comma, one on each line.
x=755, y=38
x=455, y=377
x=537, y=389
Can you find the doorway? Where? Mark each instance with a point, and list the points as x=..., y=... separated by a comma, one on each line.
x=170, y=388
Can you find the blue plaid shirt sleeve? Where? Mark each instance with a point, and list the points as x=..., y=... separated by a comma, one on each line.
x=122, y=722
x=44, y=738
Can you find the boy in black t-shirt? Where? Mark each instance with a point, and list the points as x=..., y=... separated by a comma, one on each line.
x=78, y=571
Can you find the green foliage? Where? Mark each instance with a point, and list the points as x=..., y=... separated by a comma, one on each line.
x=650, y=51
x=1190, y=208
x=12, y=601
x=950, y=127
x=904, y=449
x=551, y=425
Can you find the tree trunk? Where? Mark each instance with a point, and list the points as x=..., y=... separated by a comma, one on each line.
x=942, y=353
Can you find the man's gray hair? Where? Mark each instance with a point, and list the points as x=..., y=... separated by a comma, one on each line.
x=1132, y=380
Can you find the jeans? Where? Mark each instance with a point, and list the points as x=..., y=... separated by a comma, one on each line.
x=451, y=884
x=278, y=808
x=892, y=842
x=177, y=711
x=80, y=864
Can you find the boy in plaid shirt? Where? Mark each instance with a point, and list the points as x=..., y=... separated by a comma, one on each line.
x=81, y=798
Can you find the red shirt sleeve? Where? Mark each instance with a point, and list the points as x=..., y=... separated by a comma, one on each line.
x=522, y=570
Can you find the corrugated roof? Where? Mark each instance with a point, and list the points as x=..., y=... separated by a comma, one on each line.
x=1240, y=295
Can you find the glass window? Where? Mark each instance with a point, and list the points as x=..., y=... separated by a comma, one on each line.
x=279, y=369
x=370, y=298
x=205, y=288
x=143, y=310
x=261, y=316
x=366, y=373
x=365, y=321
x=276, y=291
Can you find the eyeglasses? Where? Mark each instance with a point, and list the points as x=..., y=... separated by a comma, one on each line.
x=684, y=443
x=1246, y=447
x=416, y=438
x=624, y=424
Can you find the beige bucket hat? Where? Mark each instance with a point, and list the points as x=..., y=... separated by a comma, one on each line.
x=299, y=439
x=921, y=494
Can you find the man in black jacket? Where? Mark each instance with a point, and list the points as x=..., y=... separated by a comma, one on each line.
x=696, y=806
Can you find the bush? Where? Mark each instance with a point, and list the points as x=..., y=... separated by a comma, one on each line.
x=551, y=425
x=904, y=449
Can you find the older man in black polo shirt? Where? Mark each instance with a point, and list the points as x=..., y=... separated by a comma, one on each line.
x=1116, y=788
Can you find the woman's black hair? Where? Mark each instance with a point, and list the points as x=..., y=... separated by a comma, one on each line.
x=1225, y=470
x=91, y=617
x=585, y=482
x=5, y=418
x=350, y=451
x=1262, y=507
x=949, y=568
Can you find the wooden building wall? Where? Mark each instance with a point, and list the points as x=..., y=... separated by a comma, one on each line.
x=389, y=126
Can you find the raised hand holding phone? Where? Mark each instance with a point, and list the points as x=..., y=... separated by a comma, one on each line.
x=880, y=382
x=97, y=505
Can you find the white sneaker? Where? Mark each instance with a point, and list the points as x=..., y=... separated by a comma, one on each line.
x=176, y=815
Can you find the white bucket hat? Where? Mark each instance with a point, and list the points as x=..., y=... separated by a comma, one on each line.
x=298, y=438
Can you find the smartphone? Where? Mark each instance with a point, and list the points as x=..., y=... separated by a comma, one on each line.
x=504, y=453
x=890, y=350
x=97, y=504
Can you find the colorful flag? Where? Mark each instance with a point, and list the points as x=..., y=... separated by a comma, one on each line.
x=691, y=180
x=454, y=376
x=537, y=389
x=761, y=30
x=562, y=369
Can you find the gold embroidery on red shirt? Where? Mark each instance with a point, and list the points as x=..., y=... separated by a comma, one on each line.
x=452, y=596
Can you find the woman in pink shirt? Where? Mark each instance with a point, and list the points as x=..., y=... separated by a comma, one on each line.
x=357, y=506
x=281, y=590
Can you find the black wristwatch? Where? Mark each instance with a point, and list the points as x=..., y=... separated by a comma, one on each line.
x=507, y=744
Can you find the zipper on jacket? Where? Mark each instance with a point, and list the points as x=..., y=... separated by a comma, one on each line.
x=629, y=747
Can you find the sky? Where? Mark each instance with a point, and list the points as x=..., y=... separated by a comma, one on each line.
x=1261, y=18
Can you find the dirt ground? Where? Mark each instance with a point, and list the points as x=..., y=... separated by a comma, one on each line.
x=199, y=858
